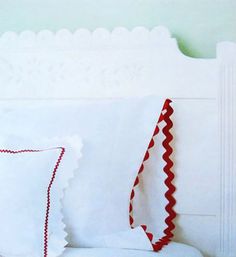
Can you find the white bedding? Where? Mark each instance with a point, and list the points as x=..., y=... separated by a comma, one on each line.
x=171, y=250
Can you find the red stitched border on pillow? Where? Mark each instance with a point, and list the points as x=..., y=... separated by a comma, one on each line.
x=165, y=116
x=45, y=238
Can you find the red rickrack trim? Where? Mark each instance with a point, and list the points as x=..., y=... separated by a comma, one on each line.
x=165, y=116
x=45, y=249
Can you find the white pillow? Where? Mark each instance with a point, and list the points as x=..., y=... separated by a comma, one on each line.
x=33, y=176
x=116, y=134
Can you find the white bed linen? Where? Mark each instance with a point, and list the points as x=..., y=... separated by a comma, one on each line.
x=111, y=129
x=25, y=198
x=171, y=250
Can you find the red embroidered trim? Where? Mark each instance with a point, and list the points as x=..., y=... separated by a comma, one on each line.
x=165, y=115
x=45, y=249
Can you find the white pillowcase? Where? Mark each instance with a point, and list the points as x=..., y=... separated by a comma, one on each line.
x=116, y=134
x=33, y=175
x=152, y=198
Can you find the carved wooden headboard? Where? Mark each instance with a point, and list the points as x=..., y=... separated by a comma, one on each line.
x=141, y=62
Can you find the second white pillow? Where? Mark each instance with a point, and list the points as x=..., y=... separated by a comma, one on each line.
x=115, y=134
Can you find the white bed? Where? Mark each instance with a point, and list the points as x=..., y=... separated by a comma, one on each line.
x=172, y=250
x=123, y=63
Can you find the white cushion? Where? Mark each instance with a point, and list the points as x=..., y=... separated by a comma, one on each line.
x=116, y=134
x=33, y=176
x=171, y=250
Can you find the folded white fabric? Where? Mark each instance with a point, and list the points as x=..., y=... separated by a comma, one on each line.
x=33, y=175
x=172, y=250
x=116, y=134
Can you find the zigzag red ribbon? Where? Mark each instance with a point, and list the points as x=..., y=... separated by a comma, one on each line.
x=45, y=249
x=165, y=116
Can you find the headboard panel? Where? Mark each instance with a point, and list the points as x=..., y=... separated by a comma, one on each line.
x=141, y=62
x=98, y=64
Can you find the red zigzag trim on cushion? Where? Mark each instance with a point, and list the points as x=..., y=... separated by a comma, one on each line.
x=45, y=249
x=165, y=116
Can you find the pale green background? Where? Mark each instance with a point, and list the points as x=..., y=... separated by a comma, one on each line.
x=198, y=24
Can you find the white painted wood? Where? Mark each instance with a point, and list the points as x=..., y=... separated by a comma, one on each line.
x=226, y=53
x=198, y=231
x=69, y=65
x=196, y=122
x=86, y=64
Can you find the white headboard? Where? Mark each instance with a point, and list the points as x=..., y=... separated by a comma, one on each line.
x=140, y=62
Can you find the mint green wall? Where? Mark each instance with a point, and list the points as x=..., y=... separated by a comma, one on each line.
x=198, y=24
